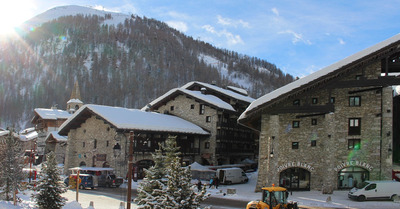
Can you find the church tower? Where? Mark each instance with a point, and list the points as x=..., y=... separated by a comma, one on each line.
x=74, y=102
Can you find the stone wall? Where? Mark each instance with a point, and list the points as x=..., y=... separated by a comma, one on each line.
x=331, y=135
x=91, y=144
x=182, y=107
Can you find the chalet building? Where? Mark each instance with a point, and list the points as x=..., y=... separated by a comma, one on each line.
x=216, y=110
x=48, y=120
x=331, y=129
x=57, y=144
x=98, y=136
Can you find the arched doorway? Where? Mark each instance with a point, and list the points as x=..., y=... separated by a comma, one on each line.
x=82, y=164
x=352, y=176
x=295, y=179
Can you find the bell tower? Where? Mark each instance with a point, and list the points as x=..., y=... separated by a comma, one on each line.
x=74, y=102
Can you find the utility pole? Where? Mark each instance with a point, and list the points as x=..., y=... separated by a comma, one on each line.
x=130, y=167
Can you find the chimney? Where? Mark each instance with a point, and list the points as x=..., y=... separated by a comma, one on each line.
x=203, y=90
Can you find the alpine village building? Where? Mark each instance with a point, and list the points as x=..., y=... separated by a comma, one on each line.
x=99, y=136
x=216, y=110
x=47, y=121
x=332, y=129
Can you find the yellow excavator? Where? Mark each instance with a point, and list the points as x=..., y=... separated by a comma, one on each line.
x=273, y=198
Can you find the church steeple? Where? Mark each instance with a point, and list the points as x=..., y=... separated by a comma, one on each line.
x=74, y=102
x=76, y=94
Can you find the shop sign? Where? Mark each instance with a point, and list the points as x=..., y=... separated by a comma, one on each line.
x=295, y=164
x=101, y=157
x=353, y=163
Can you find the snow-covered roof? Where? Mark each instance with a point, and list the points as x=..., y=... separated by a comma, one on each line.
x=56, y=136
x=239, y=90
x=312, y=77
x=52, y=114
x=197, y=167
x=134, y=119
x=28, y=134
x=4, y=133
x=226, y=92
x=91, y=169
x=75, y=101
x=210, y=99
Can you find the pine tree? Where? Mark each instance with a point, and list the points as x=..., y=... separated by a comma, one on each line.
x=181, y=193
x=151, y=189
x=11, y=166
x=50, y=186
x=167, y=183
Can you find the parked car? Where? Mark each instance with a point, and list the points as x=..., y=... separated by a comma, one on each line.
x=375, y=190
x=231, y=176
x=110, y=180
x=86, y=181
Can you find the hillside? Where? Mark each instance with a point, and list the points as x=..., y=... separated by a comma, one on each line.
x=119, y=60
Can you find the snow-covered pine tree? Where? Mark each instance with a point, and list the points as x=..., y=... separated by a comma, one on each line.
x=181, y=192
x=168, y=185
x=11, y=163
x=50, y=186
x=151, y=189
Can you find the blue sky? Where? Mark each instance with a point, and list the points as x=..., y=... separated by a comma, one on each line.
x=299, y=37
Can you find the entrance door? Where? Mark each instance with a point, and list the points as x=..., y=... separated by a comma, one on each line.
x=351, y=177
x=295, y=179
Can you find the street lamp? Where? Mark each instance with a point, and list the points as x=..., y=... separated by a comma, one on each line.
x=117, y=150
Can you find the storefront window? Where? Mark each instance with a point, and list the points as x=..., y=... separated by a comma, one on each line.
x=352, y=177
x=295, y=179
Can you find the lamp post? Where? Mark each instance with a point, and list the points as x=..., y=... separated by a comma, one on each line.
x=130, y=167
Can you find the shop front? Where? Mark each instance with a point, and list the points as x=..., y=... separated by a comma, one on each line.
x=352, y=173
x=295, y=176
x=351, y=177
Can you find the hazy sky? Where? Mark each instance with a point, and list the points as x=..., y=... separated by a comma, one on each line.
x=299, y=37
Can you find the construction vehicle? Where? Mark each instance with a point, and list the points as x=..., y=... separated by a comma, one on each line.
x=273, y=198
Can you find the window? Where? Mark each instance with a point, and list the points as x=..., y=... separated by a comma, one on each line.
x=370, y=187
x=83, y=144
x=358, y=77
x=296, y=124
x=202, y=108
x=354, y=101
x=354, y=126
x=332, y=100
x=313, y=143
x=192, y=106
x=107, y=143
x=353, y=144
x=95, y=144
x=313, y=121
x=207, y=145
x=208, y=119
x=172, y=108
x=295, y=145
x=314, y=100
x=296, y=102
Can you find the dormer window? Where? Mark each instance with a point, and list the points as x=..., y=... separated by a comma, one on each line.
x=296, y=102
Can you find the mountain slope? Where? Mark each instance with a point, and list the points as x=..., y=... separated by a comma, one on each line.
x=120, y=63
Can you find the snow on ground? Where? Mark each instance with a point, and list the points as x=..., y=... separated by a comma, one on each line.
x=244, y=192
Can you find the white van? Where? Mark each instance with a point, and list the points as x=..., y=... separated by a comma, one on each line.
x=375, y=190
x=231, y=176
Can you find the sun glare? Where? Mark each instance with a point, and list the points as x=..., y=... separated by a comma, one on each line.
x=13, y=13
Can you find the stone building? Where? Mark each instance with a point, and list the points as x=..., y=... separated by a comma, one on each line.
x=331, y=129
x=216, y=110
x=98, y=136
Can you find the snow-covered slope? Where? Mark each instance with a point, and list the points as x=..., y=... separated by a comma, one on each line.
x=60, y=11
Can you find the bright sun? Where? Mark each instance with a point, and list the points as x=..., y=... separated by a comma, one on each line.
x=13, y=13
